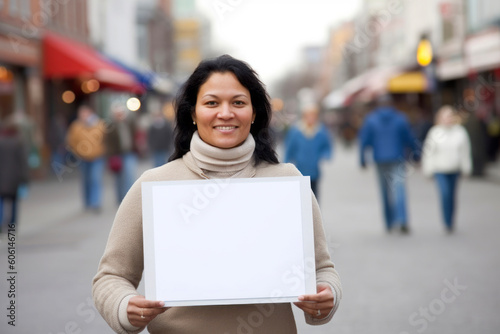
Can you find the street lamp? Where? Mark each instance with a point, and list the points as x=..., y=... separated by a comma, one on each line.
x=133, y=104
x=425, y=59
x=424, y=52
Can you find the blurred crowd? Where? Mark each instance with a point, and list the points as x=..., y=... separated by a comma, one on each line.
x=93, y=144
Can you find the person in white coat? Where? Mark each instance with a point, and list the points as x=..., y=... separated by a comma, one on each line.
x=446, y=156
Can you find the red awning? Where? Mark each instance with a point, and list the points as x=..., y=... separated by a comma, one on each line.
x=68, y=59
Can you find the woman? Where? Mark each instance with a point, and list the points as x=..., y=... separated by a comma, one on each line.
x=223, y=115
x=447, y=154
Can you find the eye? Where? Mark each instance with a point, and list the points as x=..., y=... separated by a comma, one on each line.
x=211, y=103
x=239, y=103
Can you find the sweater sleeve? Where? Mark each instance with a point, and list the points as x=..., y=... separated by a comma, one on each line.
x=427, y=153
x=325, y=270
x=120, y=269
x=326, y=144
x=365, y=141
x=465, y=154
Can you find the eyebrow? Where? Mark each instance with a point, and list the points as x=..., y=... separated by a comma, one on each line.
x=235, y=96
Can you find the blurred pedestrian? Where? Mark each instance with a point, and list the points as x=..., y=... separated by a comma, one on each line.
x=447, y=155
x=478, y=135
x=387, y=132
x=493, y=127
x=222, y=120
x=121, y=149
x=55, y=140
x=85, y=139
x=160, y=138
x=307, y=144
x=13, y=173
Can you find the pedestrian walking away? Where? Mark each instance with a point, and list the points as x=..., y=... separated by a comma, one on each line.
x=447, y=155
x=222, y=131
x=386, y=131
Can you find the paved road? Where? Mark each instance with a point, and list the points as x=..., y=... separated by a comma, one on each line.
x=427, y=282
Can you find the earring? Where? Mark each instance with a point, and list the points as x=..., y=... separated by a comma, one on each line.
x=194, y=123
x=253, y=122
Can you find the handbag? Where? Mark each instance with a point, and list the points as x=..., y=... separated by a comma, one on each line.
x=115, y=163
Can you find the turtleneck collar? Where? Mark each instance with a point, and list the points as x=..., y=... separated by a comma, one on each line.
x=217, y=162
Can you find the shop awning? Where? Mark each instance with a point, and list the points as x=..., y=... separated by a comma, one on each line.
x=148, y=79
x=336, y=99
x=409, y=82
x=364, y=87
x=68, y=59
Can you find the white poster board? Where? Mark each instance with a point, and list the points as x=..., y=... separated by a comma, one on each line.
x=228, y=241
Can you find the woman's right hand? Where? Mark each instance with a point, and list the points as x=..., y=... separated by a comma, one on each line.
x=141, y=312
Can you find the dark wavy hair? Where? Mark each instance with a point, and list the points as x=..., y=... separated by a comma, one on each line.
x=185, y=103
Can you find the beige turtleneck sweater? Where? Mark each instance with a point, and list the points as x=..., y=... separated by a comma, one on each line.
x=221, y=163
x=121, y=266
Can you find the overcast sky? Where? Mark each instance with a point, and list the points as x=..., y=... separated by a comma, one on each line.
x=269, y=34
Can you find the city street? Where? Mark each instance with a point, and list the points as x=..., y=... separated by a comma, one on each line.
x=424, y=282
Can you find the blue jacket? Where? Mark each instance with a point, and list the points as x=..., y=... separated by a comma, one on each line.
x=306, y=152
x=387, y=132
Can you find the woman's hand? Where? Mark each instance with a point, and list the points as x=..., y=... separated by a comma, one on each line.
x=141, y=312
x=318, y=305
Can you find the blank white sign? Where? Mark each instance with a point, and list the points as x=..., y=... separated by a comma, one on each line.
x=229, y=241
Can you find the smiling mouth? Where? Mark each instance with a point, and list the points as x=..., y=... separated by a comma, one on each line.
x=225, y=128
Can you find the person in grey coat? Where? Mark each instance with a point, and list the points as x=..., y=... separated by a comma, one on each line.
x=13, y=173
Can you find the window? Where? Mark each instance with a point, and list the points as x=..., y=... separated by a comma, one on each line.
x=448, y=30
x=481, y=13
x=143, y=43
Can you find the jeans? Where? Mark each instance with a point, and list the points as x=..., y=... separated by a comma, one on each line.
x=7, y=219
x=92, y=172
x=392, y=178
x=447, y=185
x=125, y=178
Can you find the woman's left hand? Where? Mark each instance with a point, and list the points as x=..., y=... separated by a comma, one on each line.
x=318, y=305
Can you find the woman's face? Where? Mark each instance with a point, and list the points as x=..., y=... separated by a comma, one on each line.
x=447, y=118
x=223, y=112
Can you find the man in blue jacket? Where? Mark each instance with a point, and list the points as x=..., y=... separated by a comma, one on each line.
x=387, y=132
x=307, y=143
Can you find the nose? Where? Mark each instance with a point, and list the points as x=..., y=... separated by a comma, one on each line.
x=225, y=111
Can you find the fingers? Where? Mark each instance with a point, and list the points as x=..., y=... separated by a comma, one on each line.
x=141, y=312
x=324, y=294
x=321, y=301
x=141, y=301
x=313, y=308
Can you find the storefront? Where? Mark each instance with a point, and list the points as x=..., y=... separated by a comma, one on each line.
x=21, y=92
x=481, y=96
x=75, y=73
